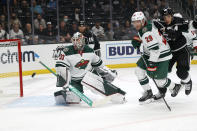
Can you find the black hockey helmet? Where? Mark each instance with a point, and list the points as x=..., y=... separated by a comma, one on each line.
x=167, y=11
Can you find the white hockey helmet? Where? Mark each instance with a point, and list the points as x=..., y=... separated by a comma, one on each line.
x=138, y=16
x=78, y=40
x=178, y=15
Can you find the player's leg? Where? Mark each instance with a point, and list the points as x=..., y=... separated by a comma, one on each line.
x=171, y=63
x=63, y=81
x=183, y=67
x=100, y=86
x=66, y=97
x=160, y=77
x=165, y=84
x=140, y=72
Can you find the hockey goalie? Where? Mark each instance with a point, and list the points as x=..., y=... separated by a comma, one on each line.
x=79, y=66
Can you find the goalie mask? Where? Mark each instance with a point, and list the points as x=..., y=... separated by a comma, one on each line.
x=78, y=41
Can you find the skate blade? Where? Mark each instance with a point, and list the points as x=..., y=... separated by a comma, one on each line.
x=147, y=101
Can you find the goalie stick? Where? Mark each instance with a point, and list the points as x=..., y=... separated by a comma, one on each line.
x=169, y=108
x=75, y=91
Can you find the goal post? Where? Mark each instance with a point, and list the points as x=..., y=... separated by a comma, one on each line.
x=8, y=62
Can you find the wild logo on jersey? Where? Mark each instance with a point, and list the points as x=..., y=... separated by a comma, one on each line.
x=82, y=64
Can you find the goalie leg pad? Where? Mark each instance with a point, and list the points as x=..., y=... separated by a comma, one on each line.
x=59, y=98
x=96, y=84
x=66, y=97
x=63, y=76
x=93, y=82
x=77, y=84
x=112, y=89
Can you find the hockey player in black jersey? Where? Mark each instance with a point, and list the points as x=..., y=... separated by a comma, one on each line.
x=172, y=28
x=91, y=39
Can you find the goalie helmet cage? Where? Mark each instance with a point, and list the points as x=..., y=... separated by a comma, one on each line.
x=16, y=42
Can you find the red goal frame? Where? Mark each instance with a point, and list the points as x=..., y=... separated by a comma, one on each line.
x=19, y=62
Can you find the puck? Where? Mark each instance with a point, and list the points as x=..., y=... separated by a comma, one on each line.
x=33, y=74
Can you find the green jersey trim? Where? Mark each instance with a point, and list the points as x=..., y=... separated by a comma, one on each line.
x=153, y=46
x=61, y=64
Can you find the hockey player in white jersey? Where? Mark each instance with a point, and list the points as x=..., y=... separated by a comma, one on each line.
x=190, y=36
x=155, y=60
x=74, y=67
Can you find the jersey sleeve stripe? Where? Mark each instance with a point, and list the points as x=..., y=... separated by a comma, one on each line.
x=165, y=54
x=165, y=51
x=151, y=46
x=155, y=48
x=58, y=63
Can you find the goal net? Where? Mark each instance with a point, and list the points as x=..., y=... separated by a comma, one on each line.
x=11, y=68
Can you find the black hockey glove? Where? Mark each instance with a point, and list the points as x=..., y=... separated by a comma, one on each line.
x=152, y=66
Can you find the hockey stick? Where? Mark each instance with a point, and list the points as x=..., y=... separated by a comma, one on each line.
x=169, y=108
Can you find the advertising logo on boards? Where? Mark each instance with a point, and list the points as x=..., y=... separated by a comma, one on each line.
x=121, y=51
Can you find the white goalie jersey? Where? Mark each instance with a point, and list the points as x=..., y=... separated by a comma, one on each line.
x=191, y=36
x=78, y=64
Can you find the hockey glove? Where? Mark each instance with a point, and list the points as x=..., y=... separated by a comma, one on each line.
x=152, y=66
x=136, y=42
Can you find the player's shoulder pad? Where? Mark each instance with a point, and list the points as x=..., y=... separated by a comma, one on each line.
x=87, y=49
x=145, y=29
x=69, y=50
x=158, y=23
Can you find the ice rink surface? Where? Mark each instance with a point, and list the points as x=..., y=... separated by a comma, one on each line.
x=37, y=111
